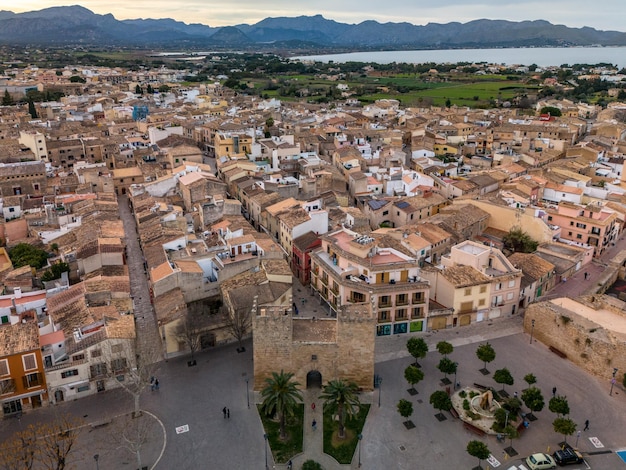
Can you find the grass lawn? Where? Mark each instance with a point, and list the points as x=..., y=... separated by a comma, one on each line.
x=343, y=449
x=283, y=451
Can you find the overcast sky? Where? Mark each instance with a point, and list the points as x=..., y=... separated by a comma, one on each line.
x=599, y=14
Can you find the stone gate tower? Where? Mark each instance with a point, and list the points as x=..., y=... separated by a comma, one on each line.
x=315, y=350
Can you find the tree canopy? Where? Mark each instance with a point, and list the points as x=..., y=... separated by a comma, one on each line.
x=24, y=254
x=485, y=353
x=341, y=396
x=559, y=405
x=444, y=348
x=413, y=375
x=405, y=408
x=440, y=400
x=564, y=426
x=519, y=241
x=417, y=348
x=503, y=376
x=478, y=450
x=533, y=399
x=280, y=396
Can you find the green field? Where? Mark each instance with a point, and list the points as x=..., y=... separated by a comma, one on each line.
x=465, y=90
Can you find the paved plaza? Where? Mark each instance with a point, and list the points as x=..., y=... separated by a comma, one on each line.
x=192, y=398
x=188, y=431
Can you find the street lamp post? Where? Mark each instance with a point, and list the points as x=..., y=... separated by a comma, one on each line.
x=615, y=369
x=456, y=365
x=532, y=327
x=247, y=393
x=265, y=437
x=360, y=436
x=380, y=388
x=506, y=420
x=96, y=457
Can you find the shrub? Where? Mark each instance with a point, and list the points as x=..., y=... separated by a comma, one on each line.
x=311, y=465
x=462, y=393
x=466, y=404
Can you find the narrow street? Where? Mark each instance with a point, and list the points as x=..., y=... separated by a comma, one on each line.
x=148, y=337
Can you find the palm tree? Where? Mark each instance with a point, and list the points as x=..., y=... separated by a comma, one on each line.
x=341, y=396
x=280, y=397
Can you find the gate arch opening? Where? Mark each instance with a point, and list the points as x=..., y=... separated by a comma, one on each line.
x=314, y=379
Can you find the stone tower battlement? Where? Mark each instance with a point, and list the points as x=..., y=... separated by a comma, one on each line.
x=335, y=348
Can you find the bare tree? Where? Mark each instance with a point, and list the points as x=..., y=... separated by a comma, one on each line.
x=132, y=433
x=18, y=453
x=190, y=329
x=133, y=372
x=56, y=441
x=239, y=323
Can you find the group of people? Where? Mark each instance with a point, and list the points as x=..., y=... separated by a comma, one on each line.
x=226, y=412
x=154, y=383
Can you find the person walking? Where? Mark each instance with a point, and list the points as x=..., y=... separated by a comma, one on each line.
x=224, y=412
x=553, y=392
x=586, y=425
x=152, y=383
x=314, y=425
x=586, y=275
x=156, y=384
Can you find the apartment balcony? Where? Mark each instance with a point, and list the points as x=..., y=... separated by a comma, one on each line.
x=335, y=290
x=402, y=303
x=384, y=304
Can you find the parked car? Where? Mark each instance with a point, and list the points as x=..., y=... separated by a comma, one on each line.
x=540, y=461
x=567, y=456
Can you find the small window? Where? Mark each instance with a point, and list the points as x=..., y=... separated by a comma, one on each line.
x=481, y=302
x=78, y=357
x=116, y=348
x=30, y=362
x=512, y=283
x=4, y=367
x=483, y=289
x=468, y=291
x=96, y=353
x=69, y=373
x=83, y=388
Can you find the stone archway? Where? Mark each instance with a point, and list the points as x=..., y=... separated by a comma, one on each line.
x=59, y=396
x=314, y=379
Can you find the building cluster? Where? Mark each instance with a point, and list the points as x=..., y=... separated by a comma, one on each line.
x=237, y=200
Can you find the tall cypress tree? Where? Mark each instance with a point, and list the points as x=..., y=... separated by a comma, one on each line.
x=31, y=109
x=7, y=100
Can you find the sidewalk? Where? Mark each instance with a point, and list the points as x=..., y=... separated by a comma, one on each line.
x=313, y=442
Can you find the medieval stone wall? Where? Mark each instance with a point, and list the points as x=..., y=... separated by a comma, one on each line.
x=587, y=344
x=349, y=356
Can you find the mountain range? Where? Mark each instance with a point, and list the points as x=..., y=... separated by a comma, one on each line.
x=78, y=25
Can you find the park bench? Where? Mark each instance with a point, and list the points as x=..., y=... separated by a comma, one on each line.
x=480, y=387
x=474, y=429
x=101, y=423
x=557, y=352
x=454, y=413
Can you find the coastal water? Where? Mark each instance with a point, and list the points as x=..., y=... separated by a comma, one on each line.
x=542, y=56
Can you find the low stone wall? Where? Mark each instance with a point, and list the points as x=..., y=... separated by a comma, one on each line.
x=586, y=343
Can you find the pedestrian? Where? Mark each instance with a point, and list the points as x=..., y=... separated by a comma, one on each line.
x=554, y=392
x=314, y=425
x=152, y=383
x=156, y=384
x=224, y=411
x=515, y=395
x=313, y=406
x=586, y=425
x=289, y=465
x=586, y=275
x=228, y=413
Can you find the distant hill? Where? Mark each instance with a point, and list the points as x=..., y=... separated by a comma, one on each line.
x=78, y=25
